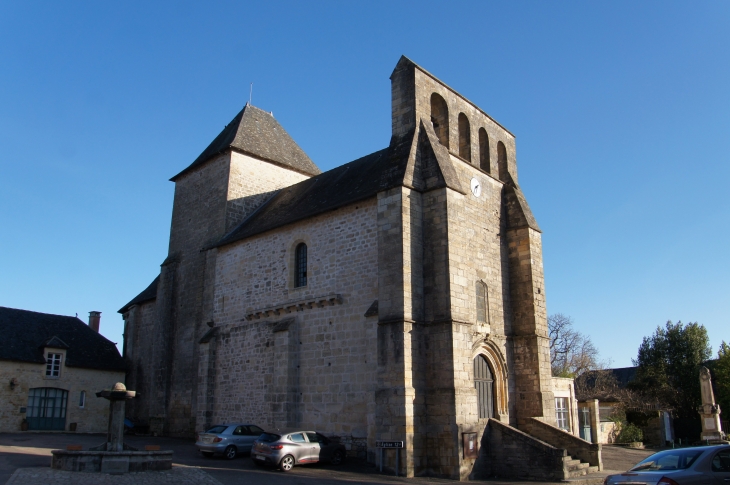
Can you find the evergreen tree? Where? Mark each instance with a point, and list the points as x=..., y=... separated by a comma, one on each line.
x=669, y=363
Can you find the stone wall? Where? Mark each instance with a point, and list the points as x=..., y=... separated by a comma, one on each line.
x=139, y=327
x=411, y=90
x=506, y=452
x=309, y=360
x=209, y=201
x=92, y=418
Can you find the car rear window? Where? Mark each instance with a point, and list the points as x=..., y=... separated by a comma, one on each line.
x=669, y=460
x=269, y=437
x=217, y=429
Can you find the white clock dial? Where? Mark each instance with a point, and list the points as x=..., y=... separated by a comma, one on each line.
x=476, y=187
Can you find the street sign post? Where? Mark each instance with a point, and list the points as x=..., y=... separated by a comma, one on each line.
x=390, y=445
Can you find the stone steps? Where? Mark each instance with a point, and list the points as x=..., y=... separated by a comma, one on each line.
x=577, y=468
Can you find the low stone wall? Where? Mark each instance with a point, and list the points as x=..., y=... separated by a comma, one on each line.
x=577, y=448
x=111, y=461
x=507, y=452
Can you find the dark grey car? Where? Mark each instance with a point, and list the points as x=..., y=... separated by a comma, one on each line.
x=228, y=439
x=703, y=465
x=286, y=448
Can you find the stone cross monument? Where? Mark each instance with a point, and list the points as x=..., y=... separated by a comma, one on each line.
x=709, y=410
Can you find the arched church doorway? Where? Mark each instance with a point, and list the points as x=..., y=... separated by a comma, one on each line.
x=484, y=383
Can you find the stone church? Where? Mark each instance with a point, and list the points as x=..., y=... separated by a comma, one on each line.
x=399, y=296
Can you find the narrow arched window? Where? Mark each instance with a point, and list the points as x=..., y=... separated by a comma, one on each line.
x=482, y=303
x=440, y=118
x=300, y=265
x=484, y=384
x=483, y=150
x=464, y=138
x=502, y=161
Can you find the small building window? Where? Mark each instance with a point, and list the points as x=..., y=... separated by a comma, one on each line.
x=82, y=399
x=561, y=413
x=440, y=118
x=464, y=138
x=483, y=150
x=300, y=264
x=53, y=365
x=482, y=302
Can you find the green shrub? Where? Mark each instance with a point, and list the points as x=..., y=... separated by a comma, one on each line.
x=630, y=433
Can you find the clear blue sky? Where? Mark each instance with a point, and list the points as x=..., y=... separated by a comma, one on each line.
x=621, y=112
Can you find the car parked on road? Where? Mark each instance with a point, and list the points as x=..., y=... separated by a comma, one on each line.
x=288, y=447
x=228, y=439
x=701, y=465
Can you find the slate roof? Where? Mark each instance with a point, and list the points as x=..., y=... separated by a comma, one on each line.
x=256, y=132
x=358, y=180
x=148, y=294
x=25, y=333
x=355, y=181
x=624, y=375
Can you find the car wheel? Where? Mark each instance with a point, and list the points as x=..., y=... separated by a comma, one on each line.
x=337, y=458
x=207, y=454
x=230, y=452
x=286, y=463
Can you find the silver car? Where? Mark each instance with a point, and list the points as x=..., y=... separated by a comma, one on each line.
x=228, y=439
x=703, y=465
x=286, y=448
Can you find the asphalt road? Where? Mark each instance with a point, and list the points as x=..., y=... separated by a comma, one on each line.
x=25, y=450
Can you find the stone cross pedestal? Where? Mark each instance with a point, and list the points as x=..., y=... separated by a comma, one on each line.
x=117, y=397
x=709, y=410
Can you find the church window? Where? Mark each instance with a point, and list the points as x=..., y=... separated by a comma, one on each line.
x=561, y=413
x=483, y=150
x=440, y=118
x=484, y=384
x=502, y=161
x=482, y=302
x=53, y=365
x=464, y=138
x=82, y=399
x=300, y=278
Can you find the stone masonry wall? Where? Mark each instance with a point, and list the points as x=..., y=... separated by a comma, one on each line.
x=411, y=90
x=209, y=201
x=139, y=324
x=251, y=183
x=92, y=418
x=312, y=367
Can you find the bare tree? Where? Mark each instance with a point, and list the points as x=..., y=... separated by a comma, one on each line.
x=571, y=352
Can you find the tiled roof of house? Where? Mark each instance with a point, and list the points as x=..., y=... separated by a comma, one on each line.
x=148, y=294
x=24, y=335
x=256, y=132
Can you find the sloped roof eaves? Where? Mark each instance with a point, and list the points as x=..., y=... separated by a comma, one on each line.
x=344, y=185
x=25, y=333
x=148, y=294
x=255, y=132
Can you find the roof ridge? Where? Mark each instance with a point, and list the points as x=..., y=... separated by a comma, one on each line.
x=256, y=132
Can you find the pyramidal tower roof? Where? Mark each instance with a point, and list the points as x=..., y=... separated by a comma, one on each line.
x=255, y=132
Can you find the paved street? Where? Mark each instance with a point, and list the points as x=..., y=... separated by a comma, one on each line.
x=32, y=453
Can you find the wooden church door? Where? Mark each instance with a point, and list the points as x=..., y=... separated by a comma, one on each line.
x=484, y=383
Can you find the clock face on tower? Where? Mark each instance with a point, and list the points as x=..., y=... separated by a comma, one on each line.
x=476, y=187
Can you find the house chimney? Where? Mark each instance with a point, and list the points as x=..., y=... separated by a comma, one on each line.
x=94, y=318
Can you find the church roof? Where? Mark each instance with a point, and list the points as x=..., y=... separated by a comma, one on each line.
x=256, y=132
x=358, y=180
x=25, y=334
x=149, y=293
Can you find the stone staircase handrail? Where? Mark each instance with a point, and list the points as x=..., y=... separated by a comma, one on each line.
x=578, y=448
